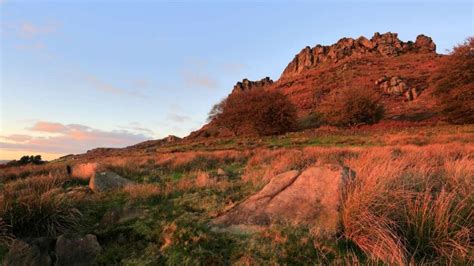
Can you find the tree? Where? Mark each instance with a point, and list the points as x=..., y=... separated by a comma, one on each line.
x=454, y=84
x=255, y=112
x=352, y=107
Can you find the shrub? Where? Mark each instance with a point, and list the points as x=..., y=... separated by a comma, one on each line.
x=312, y=120
x=352, y=107
x=454, y=85
x=255, y=112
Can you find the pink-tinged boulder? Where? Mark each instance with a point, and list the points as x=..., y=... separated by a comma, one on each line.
x=311, y=198
x=107, y=180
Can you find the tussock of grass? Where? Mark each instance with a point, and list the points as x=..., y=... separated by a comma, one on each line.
x=413, y=208
x=38, y=206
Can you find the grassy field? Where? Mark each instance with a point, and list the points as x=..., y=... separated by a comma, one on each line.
x=411, y=201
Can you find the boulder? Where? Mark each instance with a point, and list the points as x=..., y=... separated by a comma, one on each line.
x=75, y=250
x=312, y=198
x=33, y=252
x=107, y=180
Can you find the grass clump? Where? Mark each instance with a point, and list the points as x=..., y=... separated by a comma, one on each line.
x=38, y=206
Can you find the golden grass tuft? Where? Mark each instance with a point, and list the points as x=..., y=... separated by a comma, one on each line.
x=416, y=207
x=38, y=206
x=138, y=192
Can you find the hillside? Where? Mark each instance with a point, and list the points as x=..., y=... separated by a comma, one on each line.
x=397, y=72
x=399, y=192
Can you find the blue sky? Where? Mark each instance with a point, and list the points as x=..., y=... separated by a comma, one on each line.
x=81, y=74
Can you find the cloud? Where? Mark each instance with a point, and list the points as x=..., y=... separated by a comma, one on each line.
x=73, y=138
x=33, y=46
x=137, y=127
x=17, y=138
x=50, y=127
x=232, y=68
x=29, y=30
x=195, y=79
x=108, y=88
x=178, y=117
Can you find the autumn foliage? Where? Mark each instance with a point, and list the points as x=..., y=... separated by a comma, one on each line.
x=455, y=90
x=351, y=107
x=256, y=112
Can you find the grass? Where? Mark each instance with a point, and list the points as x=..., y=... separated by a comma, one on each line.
x=417, y=197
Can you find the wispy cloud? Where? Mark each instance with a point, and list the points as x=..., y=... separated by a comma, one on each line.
x=49, y=127
x=109, y=88
x=179, y=118
x=18, y=137
x=29, y=30
x=196, y=79
x=232, y=68
x=137, y=127
x=72, y=138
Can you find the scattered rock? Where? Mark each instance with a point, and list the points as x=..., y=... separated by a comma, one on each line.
x=107, y=180
x=75, y=250
x=386, y=44
x=29, y=252
x=396, y=86
x=311, y=198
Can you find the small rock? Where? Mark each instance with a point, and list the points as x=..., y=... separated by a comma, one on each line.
x=34, y=252
x=221, y=172
x=74, y=250
x=107, y=180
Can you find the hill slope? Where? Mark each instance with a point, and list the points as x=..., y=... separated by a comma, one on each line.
x=398, y=72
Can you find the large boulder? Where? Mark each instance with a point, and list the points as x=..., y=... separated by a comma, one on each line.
x=312, y=198
x=107, y=180
x=31, y=252
x=75, y=250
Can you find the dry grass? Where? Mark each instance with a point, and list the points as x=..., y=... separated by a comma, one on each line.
x=38, y=206
x=139, y=192
x=204, y=179
x=84, y=171
x=412, y=207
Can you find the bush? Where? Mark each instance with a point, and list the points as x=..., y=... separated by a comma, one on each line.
x=454, y=84
x=352, y=107
x=313, y=120
x=255, y=112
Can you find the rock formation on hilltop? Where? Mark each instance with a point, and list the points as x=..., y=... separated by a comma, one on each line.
x=247, y=85
x=398, y=73
x=386, y=44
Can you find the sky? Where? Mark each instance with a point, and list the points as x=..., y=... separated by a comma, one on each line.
x=76, y=75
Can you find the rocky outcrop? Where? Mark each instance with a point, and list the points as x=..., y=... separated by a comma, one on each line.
x=386, y=44
x=247, y=85
x=311, y=198
x=396, y=86
x=107, y=180
x=77, y=250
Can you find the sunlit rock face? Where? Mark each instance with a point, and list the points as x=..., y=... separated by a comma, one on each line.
x=386, y=44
